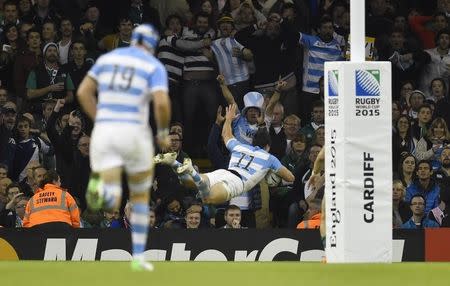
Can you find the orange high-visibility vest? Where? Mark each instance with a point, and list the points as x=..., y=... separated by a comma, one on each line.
x=313, y=223
x=51, y=204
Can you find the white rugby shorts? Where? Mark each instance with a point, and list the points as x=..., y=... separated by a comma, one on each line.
x=121, y=145
x=235, y=186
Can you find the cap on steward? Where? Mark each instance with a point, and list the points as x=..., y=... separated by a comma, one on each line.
x=146, y=35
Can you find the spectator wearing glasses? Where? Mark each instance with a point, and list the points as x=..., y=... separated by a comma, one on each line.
x=425, y=185
x=418, y=219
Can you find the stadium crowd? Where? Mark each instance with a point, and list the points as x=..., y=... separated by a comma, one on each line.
x=267, y=56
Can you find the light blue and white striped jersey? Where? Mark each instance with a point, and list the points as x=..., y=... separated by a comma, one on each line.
x=234, y=69
x=126, y=78
x=316, y=53
x=251, y=162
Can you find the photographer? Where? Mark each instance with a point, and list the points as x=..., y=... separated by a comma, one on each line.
x=10, y=44
x=48, y=81
x=65, y=143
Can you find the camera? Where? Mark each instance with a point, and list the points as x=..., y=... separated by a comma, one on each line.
x=7, y=48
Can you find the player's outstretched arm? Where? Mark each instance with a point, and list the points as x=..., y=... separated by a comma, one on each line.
x=227, y=131
x=86, y=96
x=285, y=174
x=161, y=107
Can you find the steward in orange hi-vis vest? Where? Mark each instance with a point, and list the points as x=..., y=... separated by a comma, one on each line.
x=51, y=203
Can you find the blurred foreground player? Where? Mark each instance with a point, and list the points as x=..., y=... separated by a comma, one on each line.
x=126, y=79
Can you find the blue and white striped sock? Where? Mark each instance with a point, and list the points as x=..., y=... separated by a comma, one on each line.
x=139, y=223
x=176, y=164
x=200, y=183
x=183, y=177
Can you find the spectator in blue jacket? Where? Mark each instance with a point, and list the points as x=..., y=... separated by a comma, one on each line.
x=418, y=219
x=424, y=185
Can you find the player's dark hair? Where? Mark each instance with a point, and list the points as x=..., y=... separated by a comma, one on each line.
x=262, y=138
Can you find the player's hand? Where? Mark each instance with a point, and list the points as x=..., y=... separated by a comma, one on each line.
x=230, y=112
x=59, y=104
x=219, y=117
x=57, y=87
x=221, y=79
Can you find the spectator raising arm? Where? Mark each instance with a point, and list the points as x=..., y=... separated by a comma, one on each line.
x=225, y=90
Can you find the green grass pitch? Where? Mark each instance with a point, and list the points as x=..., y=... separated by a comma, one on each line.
x=218, y=273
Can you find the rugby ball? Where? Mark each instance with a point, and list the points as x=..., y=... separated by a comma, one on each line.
x=272, y=179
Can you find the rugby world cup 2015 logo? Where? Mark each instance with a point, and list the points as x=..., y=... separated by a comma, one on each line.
x=367, y=82
x=333, y=83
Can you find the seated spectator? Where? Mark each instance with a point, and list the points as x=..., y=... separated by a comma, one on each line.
x=406, y=88
x=49, y=33
x=3, y=96
x=442, y=175
x=319, y=136
x=193, y=217
x=12, y=215
x=51, y=205
x=424, y=185
x=438, y=89
x=422, y=123
x=291, y=127
x=121, y=39
x=4, y=183
x=300, y=192
x=3, y=171
x=173, y=213
x=29, y=148
x=431, y=145
x=402, y=139
x=125, y=221
x=232, y=217
x=401, y=210
x=416, y=100
x=312, y=215
x=317, y=120
x=152, y=218
x=418, y=219
x=108, y=218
